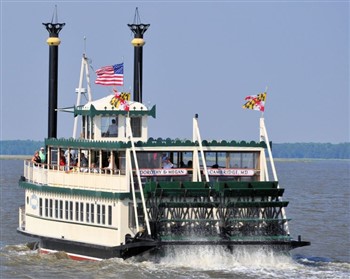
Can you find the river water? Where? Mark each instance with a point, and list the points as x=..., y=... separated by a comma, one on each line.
x=319, y=195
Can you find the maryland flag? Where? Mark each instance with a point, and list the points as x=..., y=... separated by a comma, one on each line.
x=255, y=102
x=120, y=100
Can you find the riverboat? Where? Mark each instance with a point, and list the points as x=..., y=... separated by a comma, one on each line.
x=124, y=194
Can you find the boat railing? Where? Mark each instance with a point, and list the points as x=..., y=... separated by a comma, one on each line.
x=73, y=176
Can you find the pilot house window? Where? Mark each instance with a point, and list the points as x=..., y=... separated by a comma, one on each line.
x=136, y=126
x=109, y=126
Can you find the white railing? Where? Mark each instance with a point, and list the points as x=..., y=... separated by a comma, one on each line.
x=75, y=177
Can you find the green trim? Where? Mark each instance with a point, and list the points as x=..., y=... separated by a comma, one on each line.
x=93, y=112
x=86, y=144
x=74, y=192
x=151, y=142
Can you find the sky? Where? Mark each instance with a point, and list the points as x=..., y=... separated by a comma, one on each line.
x=200, y=57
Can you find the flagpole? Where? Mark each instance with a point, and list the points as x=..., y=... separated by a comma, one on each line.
x=262, y=113
x=123, y=71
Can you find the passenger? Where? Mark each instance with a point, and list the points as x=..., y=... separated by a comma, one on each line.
x=42, y=155
x=62, y=160
x=72, y=161
x=189, y=166
x=167, y=164
x=94, y=168
x=182, y=164
x=111, y=167
x=83, y=163
x=83, y=160
x=36, y=158
x=113, y=129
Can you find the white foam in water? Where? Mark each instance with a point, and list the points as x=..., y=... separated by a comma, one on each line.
x=218, y=258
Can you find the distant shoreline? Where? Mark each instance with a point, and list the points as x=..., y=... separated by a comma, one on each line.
x=15, y=157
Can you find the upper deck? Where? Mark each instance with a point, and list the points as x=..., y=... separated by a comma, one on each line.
x=109, y=165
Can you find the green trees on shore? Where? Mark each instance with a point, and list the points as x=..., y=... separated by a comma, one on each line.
x=279, y=150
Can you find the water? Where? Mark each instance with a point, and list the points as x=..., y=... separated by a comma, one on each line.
x=319, y=195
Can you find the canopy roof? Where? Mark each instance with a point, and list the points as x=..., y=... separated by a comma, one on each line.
x=106, y=106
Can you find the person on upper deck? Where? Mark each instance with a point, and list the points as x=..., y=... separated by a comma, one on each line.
x=36, y=158
x=62, y=160
x=42, y=155
x=113, y=129
x=83, y=160
x=111, y=166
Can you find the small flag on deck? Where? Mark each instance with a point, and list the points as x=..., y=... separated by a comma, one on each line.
x=255, y=102
x=111, y=75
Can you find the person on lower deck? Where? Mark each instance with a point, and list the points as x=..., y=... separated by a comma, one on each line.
x=167, y=164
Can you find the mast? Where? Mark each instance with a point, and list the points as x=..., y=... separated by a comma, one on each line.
x=81, y=90
x=138, y=42
x=53, y=41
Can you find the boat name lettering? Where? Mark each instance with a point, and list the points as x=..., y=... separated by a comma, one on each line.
x=231, y=172
x=162, y=172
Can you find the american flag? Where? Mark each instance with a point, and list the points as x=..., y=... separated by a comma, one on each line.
x=111, y=75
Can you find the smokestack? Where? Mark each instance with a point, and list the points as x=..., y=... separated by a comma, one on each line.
x=53, y=41
x=138, y=29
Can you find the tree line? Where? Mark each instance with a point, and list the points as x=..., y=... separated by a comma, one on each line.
x=279, y=150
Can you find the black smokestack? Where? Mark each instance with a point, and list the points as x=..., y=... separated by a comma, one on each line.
x=138, y=29
x=53, y=41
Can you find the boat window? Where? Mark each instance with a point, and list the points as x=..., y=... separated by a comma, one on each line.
x=235, y=160
x=66, y=210
x=46, y=207
x=40, y=206
x=122, y=162
x=61, y=209
x=87, y=127
x=53, y=156
x=110, y=161
x=154, y=159
x=103, y=214
x=70, y=210
x=148, y=159
x=248, y=160
x=109, y=126
x=82, y=212
x=51, y=207
x=87, y=212
x=56, y=208
x=92, y=213
x=98, y=214
x=83, y=128
x=136, y=126
x=76, y=211
x=244, y=160
x=109, y=215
